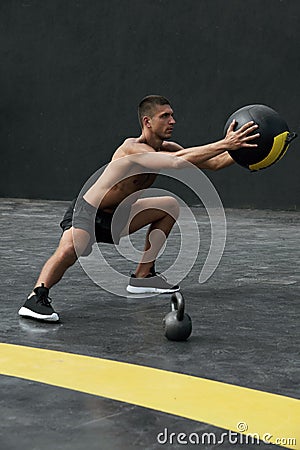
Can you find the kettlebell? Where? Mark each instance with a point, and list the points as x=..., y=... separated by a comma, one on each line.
x=177, y=325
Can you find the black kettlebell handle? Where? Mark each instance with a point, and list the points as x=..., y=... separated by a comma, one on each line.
x=177, y=304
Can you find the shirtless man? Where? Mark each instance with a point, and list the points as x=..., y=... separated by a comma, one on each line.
x=133, y=168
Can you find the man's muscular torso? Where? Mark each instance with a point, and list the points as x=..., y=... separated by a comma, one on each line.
x=122, y=178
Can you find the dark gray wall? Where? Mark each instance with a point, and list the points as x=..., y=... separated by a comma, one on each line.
x=72, y=73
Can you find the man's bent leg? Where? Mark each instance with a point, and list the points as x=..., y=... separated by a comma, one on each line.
x=161, y=213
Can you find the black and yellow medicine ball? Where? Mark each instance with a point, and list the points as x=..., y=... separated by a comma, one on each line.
x=272, y=143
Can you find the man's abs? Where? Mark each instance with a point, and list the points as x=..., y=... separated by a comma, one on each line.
x=108, y=198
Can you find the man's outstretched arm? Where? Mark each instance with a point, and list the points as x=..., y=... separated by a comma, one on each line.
x=209, y=156
x=233, y=140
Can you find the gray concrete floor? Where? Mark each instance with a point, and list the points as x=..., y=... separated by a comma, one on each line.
x=245, y=328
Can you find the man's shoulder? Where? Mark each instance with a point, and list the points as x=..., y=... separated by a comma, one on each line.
x=124, y=147
x=135, y=145
x=129, y=142
x=170, y=146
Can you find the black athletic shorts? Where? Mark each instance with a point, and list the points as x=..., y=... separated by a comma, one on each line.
x=88, y=218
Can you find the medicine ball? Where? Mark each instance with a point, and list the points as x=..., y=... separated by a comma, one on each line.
x=272, y=143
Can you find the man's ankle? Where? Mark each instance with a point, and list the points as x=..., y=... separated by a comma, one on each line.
x=143, y=272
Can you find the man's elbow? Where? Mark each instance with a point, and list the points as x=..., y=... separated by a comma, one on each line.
x=211, y=165
x=180, y=163
x=218, y=165
x=215, y=167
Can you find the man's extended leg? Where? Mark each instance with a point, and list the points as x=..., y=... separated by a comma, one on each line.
x=65, y=256
x=38, y=306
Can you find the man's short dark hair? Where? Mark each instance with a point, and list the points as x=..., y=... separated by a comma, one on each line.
x=147, y=106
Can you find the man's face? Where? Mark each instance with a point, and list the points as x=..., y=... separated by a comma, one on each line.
x=162, y=121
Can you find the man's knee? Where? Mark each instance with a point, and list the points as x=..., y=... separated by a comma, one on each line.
x=81, y=242
x=171, y=207
x=66, y=252
x=69, y=252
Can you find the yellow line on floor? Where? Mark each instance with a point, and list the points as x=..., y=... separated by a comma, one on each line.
x=273, y=417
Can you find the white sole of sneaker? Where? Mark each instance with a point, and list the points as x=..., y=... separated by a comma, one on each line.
x=25, y=312
x=142, y=290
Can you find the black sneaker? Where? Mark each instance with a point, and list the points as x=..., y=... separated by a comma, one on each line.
x=38, y=306
x=154, y=283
